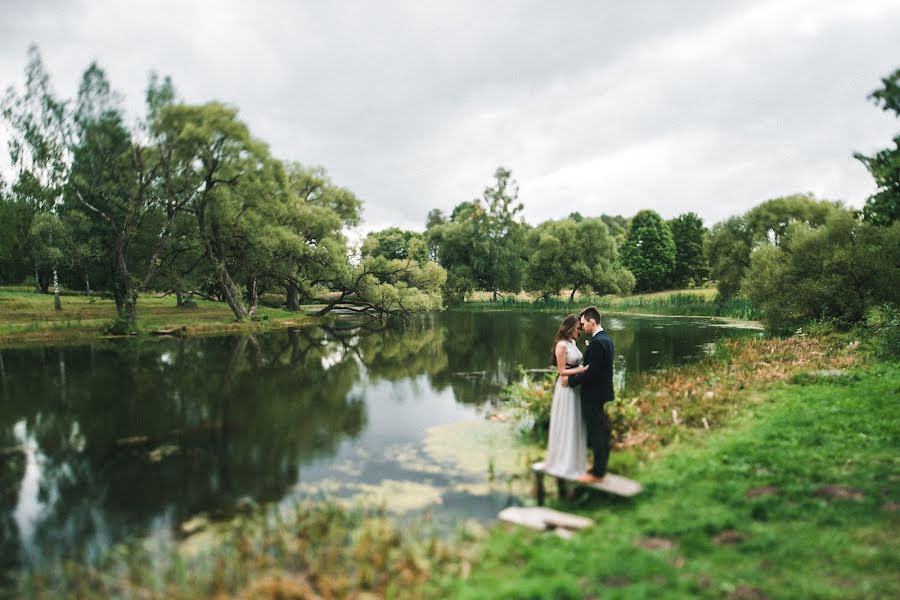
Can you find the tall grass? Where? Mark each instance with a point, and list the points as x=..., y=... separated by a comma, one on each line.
x=674, y=303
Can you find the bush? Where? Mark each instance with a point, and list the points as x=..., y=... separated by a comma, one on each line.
x=835, y=273
x=884, y=324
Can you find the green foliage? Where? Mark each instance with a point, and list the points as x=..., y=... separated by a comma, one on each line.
x=649, y=251
x=578, y=255
x=394, y=243
x=883, y=331
x=883, y=207
x=688, y=233
x=728, y=252
x=16, y=217
x=481, y=246
x=731, y=242
x=769, y=221
x=835, y=272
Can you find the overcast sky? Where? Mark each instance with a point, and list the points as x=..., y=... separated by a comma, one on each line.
x=596, y=107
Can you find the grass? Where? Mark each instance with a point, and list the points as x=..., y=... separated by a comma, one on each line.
x=26, y=316
x=312, y=551
x=688, y=302
x=795, y=498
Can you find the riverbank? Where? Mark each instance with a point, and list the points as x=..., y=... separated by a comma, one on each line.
x=693, y=302
x=798, y=497
x=28, y=317
x=792, y=491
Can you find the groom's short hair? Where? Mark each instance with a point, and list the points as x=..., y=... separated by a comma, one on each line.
x=591, y=312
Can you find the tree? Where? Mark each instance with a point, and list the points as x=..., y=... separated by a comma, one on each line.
x=574, y=254
x=768, y=221
x=482, y=244
x=16, y=216
x=731, y=242
x=728, y=251
x=883, y=207
x=688, y=233
x=397, y=244
x=224, y=175
x=836, y=272
x=382, y=286
x=39, y=130
x=649, y=251
x=120, y=181
x=316, y=214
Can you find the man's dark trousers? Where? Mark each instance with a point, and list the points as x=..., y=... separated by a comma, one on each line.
x=596, y=390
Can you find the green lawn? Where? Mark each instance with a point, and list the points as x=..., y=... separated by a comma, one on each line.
x=797, y=499
x=26, y=316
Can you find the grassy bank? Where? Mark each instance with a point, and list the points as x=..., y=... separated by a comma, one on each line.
x=26, y=316
x=795, y=497
x=690, y=302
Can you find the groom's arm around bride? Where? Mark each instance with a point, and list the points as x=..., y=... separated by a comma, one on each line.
x=596, y=389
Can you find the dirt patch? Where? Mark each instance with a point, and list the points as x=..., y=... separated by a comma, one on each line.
x=617, y=581
x=745, y=592
x=838, y=492
x=656, y=543
x=890, y=507
x=729, y=537
x=766, y=490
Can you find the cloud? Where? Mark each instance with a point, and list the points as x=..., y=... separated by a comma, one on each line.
x=710, y=107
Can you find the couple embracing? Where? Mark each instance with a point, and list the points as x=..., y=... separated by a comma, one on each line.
x=577, y=417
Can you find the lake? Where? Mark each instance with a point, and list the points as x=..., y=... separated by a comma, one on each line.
x=105, y=440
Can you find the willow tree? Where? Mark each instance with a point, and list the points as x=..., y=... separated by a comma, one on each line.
x=226, y=174
x=316, y=214
x=578, y=255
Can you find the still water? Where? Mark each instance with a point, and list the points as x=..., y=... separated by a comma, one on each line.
x=105, y=440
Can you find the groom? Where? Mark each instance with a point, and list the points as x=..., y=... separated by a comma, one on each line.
x=596, y=390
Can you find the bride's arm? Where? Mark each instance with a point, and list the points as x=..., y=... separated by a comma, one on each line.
x=561, y=361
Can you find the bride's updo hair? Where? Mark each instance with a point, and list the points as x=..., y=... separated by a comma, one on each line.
x=566, y=329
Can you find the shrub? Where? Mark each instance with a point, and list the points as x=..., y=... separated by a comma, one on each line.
x=884, y=324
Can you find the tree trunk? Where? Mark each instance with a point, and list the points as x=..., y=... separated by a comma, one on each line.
x=572, y=295
x=37, y=281
x=252, y=296
x=494, y=299
x=87, y=285
x=128, y=306
x=179, y=298
x=293, y=297
x=131, y=309
x=57, y=305
x=43, y=281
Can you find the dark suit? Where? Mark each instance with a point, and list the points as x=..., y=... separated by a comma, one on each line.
x=596, y=390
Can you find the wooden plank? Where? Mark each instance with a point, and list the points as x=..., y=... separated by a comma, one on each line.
x=542, y=519
x=611, y=484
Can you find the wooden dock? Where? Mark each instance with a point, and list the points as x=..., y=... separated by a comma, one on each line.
x=611, y=484
x=545, y=519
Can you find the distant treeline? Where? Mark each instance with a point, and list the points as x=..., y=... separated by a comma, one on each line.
x=187, y=200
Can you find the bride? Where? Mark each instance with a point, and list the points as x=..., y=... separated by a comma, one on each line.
x=567, y=447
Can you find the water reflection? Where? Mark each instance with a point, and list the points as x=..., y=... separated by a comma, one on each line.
x=101, y=440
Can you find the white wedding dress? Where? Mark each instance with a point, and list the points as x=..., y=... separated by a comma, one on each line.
x=567, y=447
